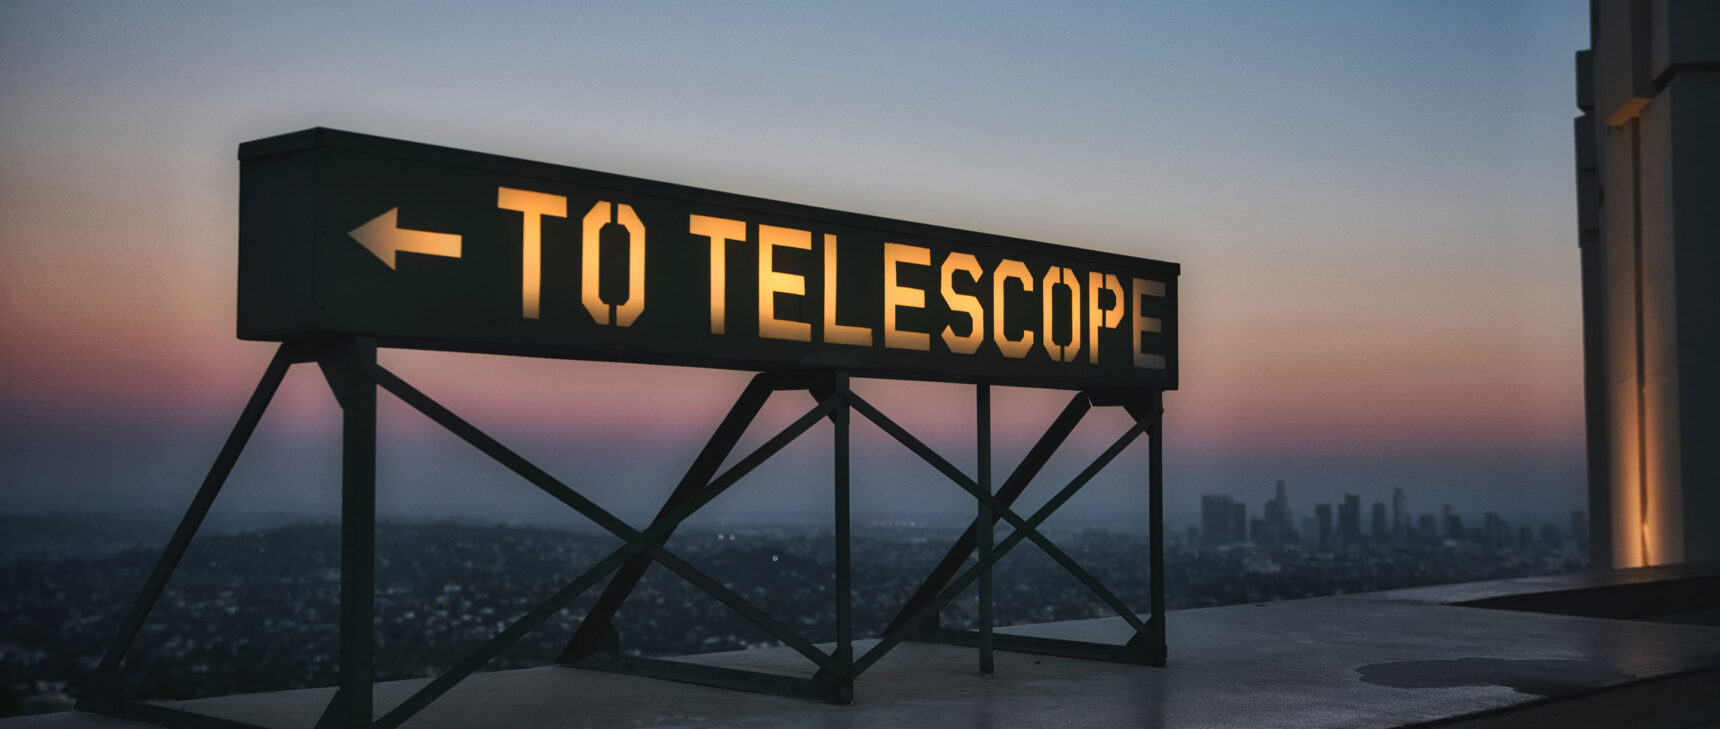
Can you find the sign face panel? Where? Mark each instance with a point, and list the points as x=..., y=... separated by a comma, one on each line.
x=434, y=248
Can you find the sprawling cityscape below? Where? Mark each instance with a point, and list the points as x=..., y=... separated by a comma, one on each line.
x=255, y=609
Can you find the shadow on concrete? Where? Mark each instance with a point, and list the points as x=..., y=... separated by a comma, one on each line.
x=1535, y=677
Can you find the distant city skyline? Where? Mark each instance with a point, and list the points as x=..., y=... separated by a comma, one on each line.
x=1225, y=520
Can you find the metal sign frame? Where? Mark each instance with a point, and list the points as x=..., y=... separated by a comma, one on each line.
x=293, y=291
x=427, y=247
x=350, y=368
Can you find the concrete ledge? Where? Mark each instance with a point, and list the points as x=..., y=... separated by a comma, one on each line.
x=1389, y=659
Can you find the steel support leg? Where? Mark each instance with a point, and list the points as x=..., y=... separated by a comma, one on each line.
x=1156, y=509
x=985, y=524
x=841, y=685
x=352, y=706
x=106, y=692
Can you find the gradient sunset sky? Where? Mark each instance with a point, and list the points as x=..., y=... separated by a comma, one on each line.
x=1373, y=205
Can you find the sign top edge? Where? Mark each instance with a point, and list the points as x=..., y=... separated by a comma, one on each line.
x=326, y=138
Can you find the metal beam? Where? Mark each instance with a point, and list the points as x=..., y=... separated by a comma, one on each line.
x=354, y=699
x=1012, y=488
x=598, y=627
x=1024, y=529
x=107, y=689
x=590, y=510
x=984, y=524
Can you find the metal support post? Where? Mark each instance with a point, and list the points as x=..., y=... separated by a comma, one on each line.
x=841, y=685
x=1156, y=513
x=982, y=427
x=346, y=369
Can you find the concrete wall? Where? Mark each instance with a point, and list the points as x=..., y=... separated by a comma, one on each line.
x=1648, y=170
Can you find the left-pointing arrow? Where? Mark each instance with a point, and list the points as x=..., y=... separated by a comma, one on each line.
x=384, y=238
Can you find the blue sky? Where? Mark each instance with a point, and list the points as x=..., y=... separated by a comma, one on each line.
x=1372, y=202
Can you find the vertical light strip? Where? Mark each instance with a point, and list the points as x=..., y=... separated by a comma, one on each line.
x=1641, y=356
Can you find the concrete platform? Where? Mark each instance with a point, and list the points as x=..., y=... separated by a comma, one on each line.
x=1390, y=659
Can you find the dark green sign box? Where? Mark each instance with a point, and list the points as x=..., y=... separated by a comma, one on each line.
x=316, y=235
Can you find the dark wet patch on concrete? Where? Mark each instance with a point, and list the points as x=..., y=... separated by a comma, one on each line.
x=1536, y=677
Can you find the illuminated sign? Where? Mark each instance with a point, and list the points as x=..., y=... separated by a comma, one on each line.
x=435, y=248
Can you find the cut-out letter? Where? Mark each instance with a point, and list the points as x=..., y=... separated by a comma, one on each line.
x=720, y=231
x=963, y=303
x=1009, y=270
x=901, y=296
x=1097, y=314
x=591, y=261
x=833, y=332
x=1142, y=287
x=533, y=205
x=1071, y=282
x=772, y=282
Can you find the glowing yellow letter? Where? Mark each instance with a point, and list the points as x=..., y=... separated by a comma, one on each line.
x=963, y=303
x=602, y=214
x=898, y=296
x=1143, y=287
x=833, y=332
x=771, y=283
x=720, y=231
x=1097, y=316
x=534, y=205
x=1005, y=271
x=1070, y=281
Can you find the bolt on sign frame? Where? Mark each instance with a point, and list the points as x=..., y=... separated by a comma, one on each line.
x=505, y=256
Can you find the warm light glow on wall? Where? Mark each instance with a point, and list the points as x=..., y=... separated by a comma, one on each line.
x=1006, y=271
x=969, y=305
x=720, y=231
x=772, y=282
x=1099, y=316
x=533, y=205
x=591, y=264
x=838, y=333
x=901, y=296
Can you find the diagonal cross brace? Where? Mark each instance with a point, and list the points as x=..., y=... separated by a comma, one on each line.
x=108, y=687
x=1023, y=528
x=1011, y=489
x=636, y=541
x=972, y=573
x=597, y=514
x=599, y=622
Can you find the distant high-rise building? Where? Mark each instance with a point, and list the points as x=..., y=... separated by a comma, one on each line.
x=1550, y=536
x=1261, y=531
x=1494, y=530
x=1453, y=524
x=1324, y=513
x=1238, y=522
x=1429, y=528
x=1379, y=521
x=1350, y=518
x=1399, y=516
x=1278, y=518
x=1310, y=533
x=1215, y=515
